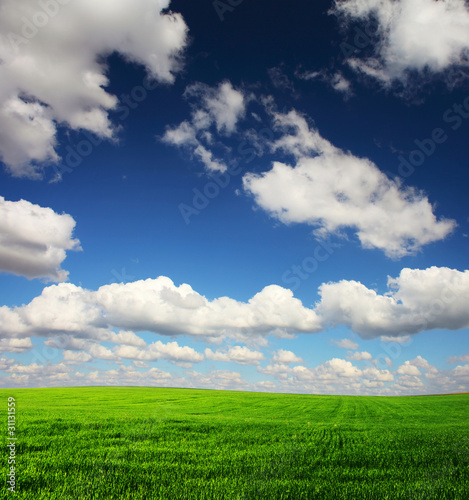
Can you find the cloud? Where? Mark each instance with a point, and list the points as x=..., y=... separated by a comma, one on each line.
x=73, y=357
x=331, y=190
x=280, y=80
x=336, y=81
x=34, y=240
x=15, y=345
x=222, y=106
x=413, y=35
x=408, y=369
x=359, y=356
x=236, y=354
x=171, y=351
x=397, y=340
x=282, y=356
x=155, y=305
x=346, y=344
x=459, y=359
x=218, y=107
x=418, y=299
x=53, y=71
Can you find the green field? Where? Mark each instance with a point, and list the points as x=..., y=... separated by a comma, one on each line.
x=148, y=443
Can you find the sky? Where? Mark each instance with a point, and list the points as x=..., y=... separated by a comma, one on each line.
x=262, y=196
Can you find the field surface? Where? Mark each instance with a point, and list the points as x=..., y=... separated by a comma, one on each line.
x=152, y=443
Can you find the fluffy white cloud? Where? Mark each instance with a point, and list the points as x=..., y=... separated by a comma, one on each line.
x=236, y=354
x=34, y=240
x=397, y=340
x=282, y=356
x=53, y=71
x=459, y=359
x=171, y=351
x=332, y=190
x=222, y=106
x=155, y=305
x=419, y=299
x=346, y=344
x=359, y=356
x=15, y=345
x=219, y=107
x=413, y=35
x=74, y=357
x=408, y=369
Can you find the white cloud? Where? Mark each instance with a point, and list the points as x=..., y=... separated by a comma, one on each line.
x=282, y=356
x=346, y=344
x=74, y=357
x=459, y=359
x=220, y=107
x=419, y=299
x=378, y=375
x=413, y=35
x=53, y=74
x=332, y=190
x=155, y=305
x=171, y=351
x=397, y=340
x=34, y=240
x=359, y=356
x=336, y=81
x=15, y=345
x=408, y=369
x=236, y=354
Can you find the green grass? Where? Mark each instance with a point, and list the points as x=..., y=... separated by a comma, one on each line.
x=152, y=443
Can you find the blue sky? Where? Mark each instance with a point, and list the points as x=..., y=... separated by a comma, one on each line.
x=265, y=196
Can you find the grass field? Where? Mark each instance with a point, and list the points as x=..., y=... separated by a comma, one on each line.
x=151, y=443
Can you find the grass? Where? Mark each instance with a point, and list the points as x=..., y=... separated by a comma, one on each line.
x=155, y=443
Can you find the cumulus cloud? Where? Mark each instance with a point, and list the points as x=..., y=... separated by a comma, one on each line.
x=359, y=356
x=408, y=369
x=236, y=354
x=282, y=356
x=219, y=108
x=459, y=359
x=333, y=190
x=15, y=345
x=53, y=71
x=73, y=357
x=171, y=351
x=346, y=344
x=418, y=299
x=413, y=35
x=155, y=305
x=34, y=240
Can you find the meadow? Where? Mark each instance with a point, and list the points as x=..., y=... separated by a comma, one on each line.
x=158, y=443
